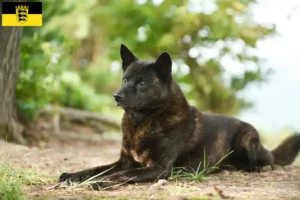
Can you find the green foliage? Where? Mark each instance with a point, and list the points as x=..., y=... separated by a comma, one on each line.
x=71, y=91
x=41, y=64
x=44, y=55
x=176, y=27
x=84, y=37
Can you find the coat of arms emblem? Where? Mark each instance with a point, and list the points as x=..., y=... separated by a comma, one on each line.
x=22, y=13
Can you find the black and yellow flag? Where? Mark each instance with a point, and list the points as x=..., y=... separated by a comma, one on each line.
x=22, y=14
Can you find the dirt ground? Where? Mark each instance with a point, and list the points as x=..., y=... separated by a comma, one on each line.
x=65, y=156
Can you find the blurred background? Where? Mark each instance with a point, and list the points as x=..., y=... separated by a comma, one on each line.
x=234, y=57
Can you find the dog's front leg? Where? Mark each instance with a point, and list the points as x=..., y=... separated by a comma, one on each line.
x=88, y=173
x=138, y=175
x=123, y=163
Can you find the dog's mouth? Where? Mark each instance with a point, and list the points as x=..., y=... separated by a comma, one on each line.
x=128, y=107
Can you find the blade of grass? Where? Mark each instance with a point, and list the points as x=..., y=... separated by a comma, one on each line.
x=89, y=180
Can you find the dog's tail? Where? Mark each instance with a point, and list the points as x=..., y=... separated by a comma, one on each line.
x=287, y=151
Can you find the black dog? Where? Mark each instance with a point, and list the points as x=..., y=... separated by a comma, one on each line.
x=161, y=130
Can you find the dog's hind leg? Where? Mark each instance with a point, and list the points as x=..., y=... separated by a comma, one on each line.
x=251, y=145
x=265, y=158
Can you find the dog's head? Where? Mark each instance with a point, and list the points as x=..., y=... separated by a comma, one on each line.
x=145, y=84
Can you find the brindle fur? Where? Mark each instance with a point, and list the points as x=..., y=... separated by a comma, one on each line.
x=161, y=130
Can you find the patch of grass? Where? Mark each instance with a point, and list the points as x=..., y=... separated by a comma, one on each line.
x=10, y=186
x=35, y=177
x=199, y=174
x=13, y=180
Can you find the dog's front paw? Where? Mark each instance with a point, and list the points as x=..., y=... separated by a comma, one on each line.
x=70, y=177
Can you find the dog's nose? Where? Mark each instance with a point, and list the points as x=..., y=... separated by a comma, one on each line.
x=118, y=97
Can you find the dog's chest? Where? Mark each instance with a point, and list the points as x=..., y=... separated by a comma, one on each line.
x=136, y=141
x=139, y=155
x=134, y=147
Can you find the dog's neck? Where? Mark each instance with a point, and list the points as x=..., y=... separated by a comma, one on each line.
x=137, y=117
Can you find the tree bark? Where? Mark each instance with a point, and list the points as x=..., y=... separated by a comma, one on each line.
x=10, y=128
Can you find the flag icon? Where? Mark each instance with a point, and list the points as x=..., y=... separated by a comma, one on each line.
x=22, y=14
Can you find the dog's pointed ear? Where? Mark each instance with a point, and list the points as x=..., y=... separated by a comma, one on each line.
x=163, y=65
x=127, y=57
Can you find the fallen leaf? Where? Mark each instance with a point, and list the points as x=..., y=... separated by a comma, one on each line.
x=221, y=193
x=52, y=187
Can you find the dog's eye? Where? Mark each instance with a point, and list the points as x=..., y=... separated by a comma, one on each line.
x=142, y=84
x=124, y=81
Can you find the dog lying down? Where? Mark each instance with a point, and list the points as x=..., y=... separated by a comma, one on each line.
x=161, y=130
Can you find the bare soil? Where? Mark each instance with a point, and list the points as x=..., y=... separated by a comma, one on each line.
x=61, y=155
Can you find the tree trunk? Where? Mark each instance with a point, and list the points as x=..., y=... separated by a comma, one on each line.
x=10, y=128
